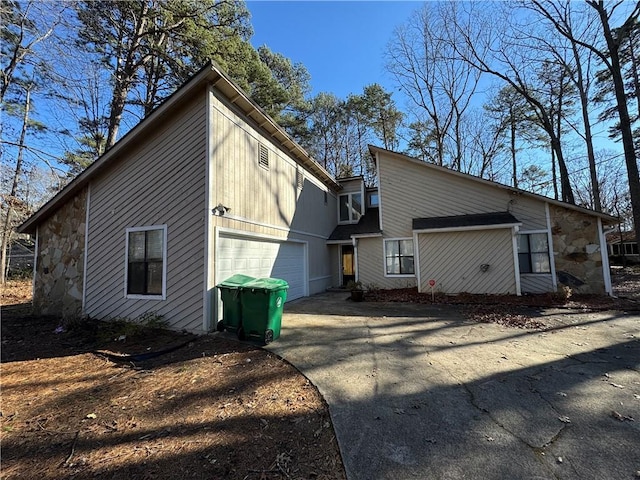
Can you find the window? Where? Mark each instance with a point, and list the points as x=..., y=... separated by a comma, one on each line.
x=399, y=257
x=373, y=199
x=263, y=156
x=533, y=253
x=326, y=198
x=350, y=207
x=146, y=261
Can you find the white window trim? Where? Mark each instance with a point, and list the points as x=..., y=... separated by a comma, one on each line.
x=350, y=195
x=384, y=258
x=551, y=271
x=164, y=263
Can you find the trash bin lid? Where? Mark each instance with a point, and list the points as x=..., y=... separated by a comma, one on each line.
x=271, y=284
x=236, y=281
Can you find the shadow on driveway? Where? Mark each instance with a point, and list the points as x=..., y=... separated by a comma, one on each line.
x=416, y=391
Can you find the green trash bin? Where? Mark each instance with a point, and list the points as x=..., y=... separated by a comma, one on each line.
x=262, y=304
x=231, y=304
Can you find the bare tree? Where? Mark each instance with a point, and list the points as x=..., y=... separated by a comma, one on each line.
x=509, y=56
x=609, y=55
x=426, y=67
x=513, y=118
x=12, y=203
x=483, y=139
x=573, y=22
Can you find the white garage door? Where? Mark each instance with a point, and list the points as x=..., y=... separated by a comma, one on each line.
x=261, y=258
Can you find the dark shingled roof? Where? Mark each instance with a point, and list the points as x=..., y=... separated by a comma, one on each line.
x=470, y=220
x=369, y=223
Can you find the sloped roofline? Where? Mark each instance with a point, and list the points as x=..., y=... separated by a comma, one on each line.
x=210, y=74
x=604, y=216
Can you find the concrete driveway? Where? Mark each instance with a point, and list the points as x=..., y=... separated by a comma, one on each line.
x=416, y=391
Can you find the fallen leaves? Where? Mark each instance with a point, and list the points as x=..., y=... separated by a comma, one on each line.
x=622, y=418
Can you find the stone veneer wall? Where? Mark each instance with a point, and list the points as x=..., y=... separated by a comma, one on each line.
x=576, y=245
x=60, y=262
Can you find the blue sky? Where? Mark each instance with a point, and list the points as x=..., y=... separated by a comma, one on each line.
x=340, y=43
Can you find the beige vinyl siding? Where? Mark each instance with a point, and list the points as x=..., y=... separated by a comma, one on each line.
x=453, y=260
x=409, y=189
x=355, y=185
x=161, y=181
x=267, y=201
x=536, y=283
x=269, y=196
x=334, y=264
x=371, y=266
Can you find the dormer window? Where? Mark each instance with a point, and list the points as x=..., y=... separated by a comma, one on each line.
x=350, y=208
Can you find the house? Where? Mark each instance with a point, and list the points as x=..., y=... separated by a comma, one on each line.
x=20, y=257
x=426, y=224
x=204, y=187
x=623, y=248
x=208, y=186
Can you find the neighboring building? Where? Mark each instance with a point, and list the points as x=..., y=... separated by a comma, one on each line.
x=208, y=186
x=623, y=248
x=428, y=223
x=20, y=257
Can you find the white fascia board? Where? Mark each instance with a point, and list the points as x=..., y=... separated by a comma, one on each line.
x=471, y=228
x=366, y=235
x=340, y=242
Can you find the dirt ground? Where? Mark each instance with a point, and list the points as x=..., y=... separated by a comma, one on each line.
x=83, y=402
x=73, y=406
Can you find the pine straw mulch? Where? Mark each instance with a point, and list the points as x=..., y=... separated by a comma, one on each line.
x=213, y=408
x=521, y=311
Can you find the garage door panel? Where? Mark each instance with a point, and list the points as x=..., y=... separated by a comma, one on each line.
x=261, y=258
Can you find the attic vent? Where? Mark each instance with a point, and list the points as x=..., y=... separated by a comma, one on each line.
x=299, y=178
x=263, y=156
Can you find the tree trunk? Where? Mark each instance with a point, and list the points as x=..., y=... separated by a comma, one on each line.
x=124, y=77
x=625, y=122
x=6, y=228
x=565, y=183
x=588, y=137
x=554, y=176
x=634, y=71
x=512, y=121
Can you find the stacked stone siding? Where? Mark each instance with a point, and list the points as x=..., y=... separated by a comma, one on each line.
x=576, y=245
x=60, y=263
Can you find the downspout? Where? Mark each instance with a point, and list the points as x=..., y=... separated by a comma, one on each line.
x=516, y=260
x=379, y=191
x=354, y=242
x=416, y=260
x=552, y=255
x=35, y=264
x=209, y=294
x=86, y=250
x=606, y=270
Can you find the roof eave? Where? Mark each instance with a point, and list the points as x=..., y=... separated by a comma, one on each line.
x=373, y=150
x=493, y=226
x=208, y=74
